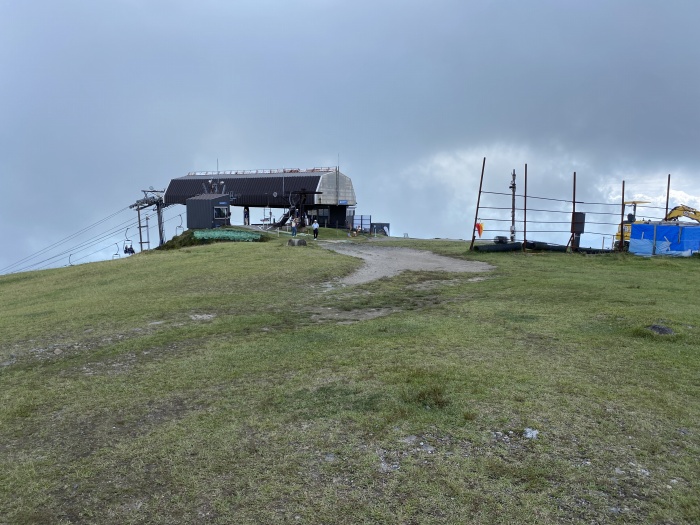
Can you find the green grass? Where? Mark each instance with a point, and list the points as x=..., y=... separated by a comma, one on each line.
x=227, y=383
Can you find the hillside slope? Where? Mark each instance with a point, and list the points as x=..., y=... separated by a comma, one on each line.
x=243, y=383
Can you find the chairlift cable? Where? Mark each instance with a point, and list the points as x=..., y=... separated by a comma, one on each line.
x=72, y=236
x=88, y=243
x=76, y=248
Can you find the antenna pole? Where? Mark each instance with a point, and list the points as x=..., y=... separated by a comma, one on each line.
x=525, y=212
x=512, y=210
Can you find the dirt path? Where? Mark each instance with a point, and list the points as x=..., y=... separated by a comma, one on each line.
x=387, y=261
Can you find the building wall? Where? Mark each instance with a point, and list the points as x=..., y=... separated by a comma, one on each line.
x=345, y=194
x=200, y=211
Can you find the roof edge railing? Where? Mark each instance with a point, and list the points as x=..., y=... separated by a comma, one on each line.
x=260, y=172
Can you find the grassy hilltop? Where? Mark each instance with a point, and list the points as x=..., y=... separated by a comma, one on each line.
x=229, y=383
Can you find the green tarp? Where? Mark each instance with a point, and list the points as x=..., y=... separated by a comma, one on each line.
x=227, y=235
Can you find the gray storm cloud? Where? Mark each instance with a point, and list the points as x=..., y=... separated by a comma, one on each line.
x=100, y=100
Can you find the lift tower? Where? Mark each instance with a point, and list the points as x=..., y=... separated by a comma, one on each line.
x=151, y=197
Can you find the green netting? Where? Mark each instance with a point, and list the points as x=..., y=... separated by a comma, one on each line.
x=227, y=235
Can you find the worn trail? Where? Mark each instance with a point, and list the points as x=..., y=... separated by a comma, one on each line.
x=388, y=261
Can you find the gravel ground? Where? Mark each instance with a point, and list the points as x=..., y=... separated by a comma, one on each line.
x=387, y=261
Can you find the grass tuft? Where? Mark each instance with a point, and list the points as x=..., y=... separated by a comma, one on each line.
x=432, y=396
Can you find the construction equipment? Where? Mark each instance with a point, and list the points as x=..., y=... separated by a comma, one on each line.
x=682, y=211
x=672, y=216
x=627, y=225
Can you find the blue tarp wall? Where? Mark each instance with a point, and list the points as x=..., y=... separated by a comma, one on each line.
x=679, y=240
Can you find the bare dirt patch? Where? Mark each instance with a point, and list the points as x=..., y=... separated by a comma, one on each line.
x=349, y=317
x=388, y=261
x=384, y=262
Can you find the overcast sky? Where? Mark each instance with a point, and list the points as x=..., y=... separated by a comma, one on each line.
x=99, y=100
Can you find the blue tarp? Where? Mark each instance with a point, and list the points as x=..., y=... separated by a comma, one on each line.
x=678, y=240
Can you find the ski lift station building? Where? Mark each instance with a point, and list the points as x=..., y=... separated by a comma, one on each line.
x=323, y=193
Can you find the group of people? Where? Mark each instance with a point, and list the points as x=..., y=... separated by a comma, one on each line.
x=295, y=223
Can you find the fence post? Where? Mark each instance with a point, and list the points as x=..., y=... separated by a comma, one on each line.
x=525, y=211
x=621, y=243
x=575, y=238
x=478, y=200
x=512, y=210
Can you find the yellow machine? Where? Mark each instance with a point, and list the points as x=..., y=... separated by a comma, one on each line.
x=673, y=215
x=627, y=224
x=683, y=211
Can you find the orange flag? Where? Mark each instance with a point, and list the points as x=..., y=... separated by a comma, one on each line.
x=479, y=228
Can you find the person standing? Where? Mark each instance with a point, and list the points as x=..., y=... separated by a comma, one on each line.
x=294, y=227
x=315, y=227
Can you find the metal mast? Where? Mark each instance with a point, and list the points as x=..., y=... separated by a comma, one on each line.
x=512, y=210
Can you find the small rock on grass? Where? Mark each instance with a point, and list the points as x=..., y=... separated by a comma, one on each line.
x=660, y=329
x=530, y=433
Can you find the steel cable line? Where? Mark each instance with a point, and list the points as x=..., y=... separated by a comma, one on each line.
x=520, y=221
x=534, y=224
x=84, y=245
x=81, y=246
x=94, y=241
x=88, y=243
x=72, y=236
x=86, y=256
x=529, y=196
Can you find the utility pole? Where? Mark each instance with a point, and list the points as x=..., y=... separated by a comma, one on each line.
x=512, y=211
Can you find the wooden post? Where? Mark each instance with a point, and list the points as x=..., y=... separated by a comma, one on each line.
x=478, y=201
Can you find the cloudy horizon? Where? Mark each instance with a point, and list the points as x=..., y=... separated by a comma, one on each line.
x=100, y=100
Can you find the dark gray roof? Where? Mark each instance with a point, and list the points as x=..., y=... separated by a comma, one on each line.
x=246, y=188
